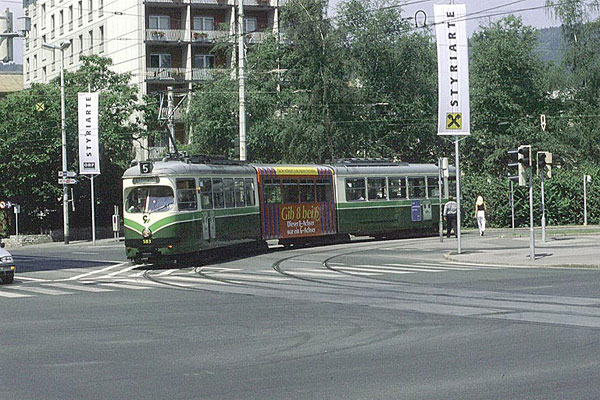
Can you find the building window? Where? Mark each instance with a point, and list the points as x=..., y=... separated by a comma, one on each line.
x=43, y=50
x=159, y=22
x=43, y=16
x=91, y=37
x=100, y=8
x=34, y=66
x=52, y=26
x=204, y=61
x=90, y=10
x=80, y=14
x=53, y=65
x=71, y=51
x=61, y=21
x=204, y=24
x=160, y=60
x=250, y=24
x=27, y=68
x=80, y=44
x=101, y=45
x=70, y=18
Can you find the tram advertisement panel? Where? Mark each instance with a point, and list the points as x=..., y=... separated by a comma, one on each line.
x=297, y=220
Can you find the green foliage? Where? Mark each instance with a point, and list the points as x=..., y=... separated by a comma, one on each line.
x=30, y=143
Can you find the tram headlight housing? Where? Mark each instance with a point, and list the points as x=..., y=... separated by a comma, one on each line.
x=146, y=233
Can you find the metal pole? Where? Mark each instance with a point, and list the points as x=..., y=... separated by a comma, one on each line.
x=170, y=122
x=584, y=200
x=531, y=232
x=242, y=81
x=64, y=146
x=441, y=224
x=93, y=211
x=458, y=244
x=543, y=211
x=512, y=204
x=17, y=221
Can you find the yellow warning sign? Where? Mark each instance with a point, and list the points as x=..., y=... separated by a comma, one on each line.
x=454, y=121
x=39, y=107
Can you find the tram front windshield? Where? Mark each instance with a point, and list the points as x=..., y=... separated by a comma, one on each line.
x=148, y=199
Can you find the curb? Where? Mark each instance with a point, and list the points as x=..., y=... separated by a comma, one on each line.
x=452, y=257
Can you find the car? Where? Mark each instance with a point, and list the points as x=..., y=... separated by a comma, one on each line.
x=7, y=265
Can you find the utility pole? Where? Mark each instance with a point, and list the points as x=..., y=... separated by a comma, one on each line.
x=170, y=123
x=241, y=80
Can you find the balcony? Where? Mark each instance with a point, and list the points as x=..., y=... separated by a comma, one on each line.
x=165, y=35
x=208, y=37
x=165, y=74
x=206, y=74
x=255, y=37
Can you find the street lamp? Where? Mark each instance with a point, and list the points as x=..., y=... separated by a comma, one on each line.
x=61, y=47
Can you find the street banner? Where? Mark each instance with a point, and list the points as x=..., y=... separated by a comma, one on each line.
x=453, y=69
x=89, y=158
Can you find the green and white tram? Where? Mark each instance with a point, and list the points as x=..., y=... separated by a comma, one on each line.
x=173, y=208
x=386, y=199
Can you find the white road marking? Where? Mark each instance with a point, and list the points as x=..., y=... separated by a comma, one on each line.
x=370, y=268
x=13, y=295
x=85, y=252
x=26, y=278
x=83, y=288
x=95, y=272
x=408, y=267
x=124, y=286
x=121, y=271
x=167, y=272
x=196, y=280
x=40, y=290
x=248, y=277
x=480, y=265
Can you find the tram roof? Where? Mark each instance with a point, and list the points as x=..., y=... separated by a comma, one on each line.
x=183, y=168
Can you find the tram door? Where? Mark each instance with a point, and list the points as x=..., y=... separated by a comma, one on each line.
x=209, y=230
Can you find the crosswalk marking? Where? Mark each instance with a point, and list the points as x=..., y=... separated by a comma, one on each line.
x=167, y=272
x=124, y=286
x=13, y=295
x=196, y=280
x=83, y=288
x=405, y=267
x=371, y=268
x=121, y=271
x=76, y=277
x=246, y=277
x=39, y=290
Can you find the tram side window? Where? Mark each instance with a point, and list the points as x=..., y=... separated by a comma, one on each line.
x=228, y=191
x=290, y=191
x=452, y=186
x=307, y=191
x=324, y=191
x=416, y=188
x=377, y=188
x=186, y=194
x=249, y=191
x=219, y=200
x=355, y=189
x=432, y=187
x=397, y=188
x=240, y=199
x=272, y=190
x=205, y=189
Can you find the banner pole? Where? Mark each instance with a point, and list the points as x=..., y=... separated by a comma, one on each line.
x=458, y=241
x=93, y=211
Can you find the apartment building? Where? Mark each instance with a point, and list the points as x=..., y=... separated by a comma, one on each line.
x=162, y=43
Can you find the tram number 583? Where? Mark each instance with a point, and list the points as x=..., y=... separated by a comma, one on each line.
x=146, y=241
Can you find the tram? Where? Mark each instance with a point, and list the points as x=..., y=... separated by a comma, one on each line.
x=176, y=208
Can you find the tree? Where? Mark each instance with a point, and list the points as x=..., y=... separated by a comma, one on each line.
x=30, y=142
x=507, y=93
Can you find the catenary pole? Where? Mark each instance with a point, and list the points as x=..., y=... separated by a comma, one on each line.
x=242, y=81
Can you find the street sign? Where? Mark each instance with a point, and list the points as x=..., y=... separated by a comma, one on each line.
x=543, y=121
x=67, y=181
x=67, y=174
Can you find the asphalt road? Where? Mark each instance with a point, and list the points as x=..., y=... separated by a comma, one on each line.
x=369, y=320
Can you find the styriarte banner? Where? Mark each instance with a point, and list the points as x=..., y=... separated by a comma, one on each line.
x=89, y=158
x=453, y=69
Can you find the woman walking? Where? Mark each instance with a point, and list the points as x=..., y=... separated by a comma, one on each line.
x=480, y=210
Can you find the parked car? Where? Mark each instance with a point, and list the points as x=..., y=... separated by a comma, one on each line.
x=7, y=266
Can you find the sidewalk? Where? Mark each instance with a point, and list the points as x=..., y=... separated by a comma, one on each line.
x=505, y=248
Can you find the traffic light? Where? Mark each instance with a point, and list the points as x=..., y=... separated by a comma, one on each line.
x=544, y=163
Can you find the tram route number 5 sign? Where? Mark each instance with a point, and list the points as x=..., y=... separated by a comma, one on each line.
x=87, y=110
x=415, y=211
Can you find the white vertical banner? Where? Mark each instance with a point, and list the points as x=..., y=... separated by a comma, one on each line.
x=89, y=158
x=453, y=69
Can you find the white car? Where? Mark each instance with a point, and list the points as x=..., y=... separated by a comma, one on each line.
x=7, y=266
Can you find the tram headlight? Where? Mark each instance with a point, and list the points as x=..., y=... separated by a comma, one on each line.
x=146, y=233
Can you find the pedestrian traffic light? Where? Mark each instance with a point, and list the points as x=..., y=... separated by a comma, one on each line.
x=544, y=164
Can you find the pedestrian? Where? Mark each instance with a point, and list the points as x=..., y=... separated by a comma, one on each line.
x=480, y=210
x=450, y=216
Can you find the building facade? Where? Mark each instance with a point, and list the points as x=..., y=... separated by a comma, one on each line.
x=162, y=43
